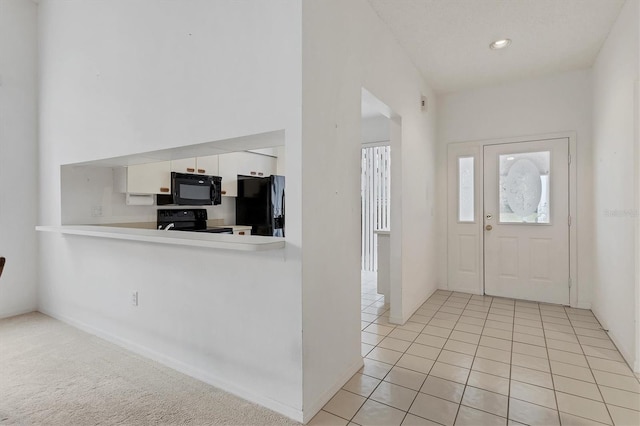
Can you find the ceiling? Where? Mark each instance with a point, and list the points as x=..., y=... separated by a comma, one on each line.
x=448, y=40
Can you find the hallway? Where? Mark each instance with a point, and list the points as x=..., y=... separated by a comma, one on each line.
x=471, y=360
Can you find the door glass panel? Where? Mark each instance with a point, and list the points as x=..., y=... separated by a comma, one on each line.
x=524, y=187
x=466, y=211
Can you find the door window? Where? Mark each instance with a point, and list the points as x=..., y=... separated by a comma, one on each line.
x=466, y=211
x=523, y=186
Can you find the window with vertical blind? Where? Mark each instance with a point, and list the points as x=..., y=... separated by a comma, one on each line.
x=375, y=193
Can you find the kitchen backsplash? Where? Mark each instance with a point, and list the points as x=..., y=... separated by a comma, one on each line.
x=88, y=198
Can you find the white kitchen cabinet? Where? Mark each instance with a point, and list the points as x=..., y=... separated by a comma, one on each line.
x=228, y=170
x=258, y=165
x=184, y=165
x=155, y=178
x=151, y=178
x=241, y=230
x=243, y=163
x=207, y=165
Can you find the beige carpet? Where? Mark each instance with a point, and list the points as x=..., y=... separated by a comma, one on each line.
x=54, y=374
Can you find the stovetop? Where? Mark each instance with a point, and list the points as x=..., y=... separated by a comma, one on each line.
x=194, y=220
x=220, y=230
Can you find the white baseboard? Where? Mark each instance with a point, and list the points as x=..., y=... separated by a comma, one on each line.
x=464, y=290
x=10, y=314
x=315, y=407
x=402, y=321
x=580, y=305
x=396, y=320
x=182, y=367
x=628, y=357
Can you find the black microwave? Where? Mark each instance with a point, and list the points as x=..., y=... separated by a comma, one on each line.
x=192, y=190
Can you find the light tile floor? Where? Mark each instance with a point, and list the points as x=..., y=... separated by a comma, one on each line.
x=471, y=360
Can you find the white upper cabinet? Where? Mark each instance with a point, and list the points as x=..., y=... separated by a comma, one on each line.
x=155, y=178
x=243, y=163
x=207, y=165
x=258, y=165
x=184, y=165
x=198, y=165
x=151, y=178
x=228, y=169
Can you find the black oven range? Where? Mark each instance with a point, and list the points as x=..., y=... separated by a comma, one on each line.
x=194, y=220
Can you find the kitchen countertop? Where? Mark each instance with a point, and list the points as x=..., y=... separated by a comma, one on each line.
x=211, y=223
x=197, y=239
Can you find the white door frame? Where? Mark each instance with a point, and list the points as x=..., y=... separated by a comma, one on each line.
x=475, y=148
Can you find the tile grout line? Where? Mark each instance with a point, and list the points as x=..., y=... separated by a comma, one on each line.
x=467, y=304
x=466, y=384
x=474, y=357
x=395, y=364
x=442, y=349
x=434, y=362
x=486, y=390
x=553, y=383
x=374, y=347
x=624, y=361
x=491, y=374
x=513, y=330
x=590, y=371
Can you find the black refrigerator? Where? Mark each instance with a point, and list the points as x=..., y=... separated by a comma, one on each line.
x=260, y=203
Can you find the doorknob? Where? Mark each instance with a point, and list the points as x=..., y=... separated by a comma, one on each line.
x=488, y=227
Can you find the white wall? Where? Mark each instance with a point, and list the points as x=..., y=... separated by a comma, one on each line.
x=120, y=77
x=345, y=48
x=551, y=104
x=615, y=75
x=375, y=129
x=18, y=155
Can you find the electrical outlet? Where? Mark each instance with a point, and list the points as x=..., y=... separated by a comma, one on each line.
x=96, y=211
x=134, y=298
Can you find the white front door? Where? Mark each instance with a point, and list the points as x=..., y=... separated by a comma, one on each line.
x=526, y=220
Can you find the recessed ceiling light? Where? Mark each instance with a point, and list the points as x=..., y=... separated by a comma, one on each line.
x=500, y=44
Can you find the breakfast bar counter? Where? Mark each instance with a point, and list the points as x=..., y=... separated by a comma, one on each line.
x=195, y=239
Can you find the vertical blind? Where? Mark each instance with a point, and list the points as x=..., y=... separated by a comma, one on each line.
x=375, y=191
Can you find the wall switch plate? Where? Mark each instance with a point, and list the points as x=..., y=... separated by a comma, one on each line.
x=134, y=298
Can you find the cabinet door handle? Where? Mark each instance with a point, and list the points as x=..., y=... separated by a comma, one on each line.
x=260, y=174
x=223, y=192
x=241, y=233
x=163, y=189
x=201, y=170
x=191, y=169
x=253, y=173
